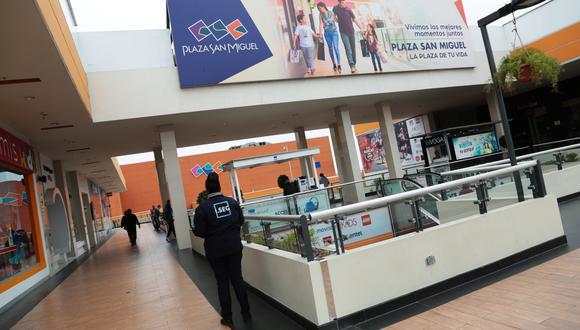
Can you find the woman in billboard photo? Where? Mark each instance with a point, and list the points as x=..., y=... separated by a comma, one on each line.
x=328, y=28
x=373, y=43
x=306, y=35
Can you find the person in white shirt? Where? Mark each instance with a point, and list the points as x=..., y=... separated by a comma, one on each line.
x=306, y=36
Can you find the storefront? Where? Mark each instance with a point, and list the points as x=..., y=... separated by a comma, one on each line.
x=21, y=248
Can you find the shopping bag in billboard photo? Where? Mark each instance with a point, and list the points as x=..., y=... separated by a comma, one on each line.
x=321, y=56
x=294, y=56
x=383, y=56
x=364, y=46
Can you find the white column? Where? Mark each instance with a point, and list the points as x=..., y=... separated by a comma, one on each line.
x=160, y=166
x=494, y=114
x=302, y=143
x=60, y=181
x=175, y=186
x=350, y=166
x=389, y=140
x=337, y=149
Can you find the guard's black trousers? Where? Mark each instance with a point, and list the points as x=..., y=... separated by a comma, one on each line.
x=229, y=269
x=132, y=236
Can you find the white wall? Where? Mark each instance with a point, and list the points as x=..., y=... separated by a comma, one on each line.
x=289, y=279
x=563, y=183
x=131, y=62
x=393, y=268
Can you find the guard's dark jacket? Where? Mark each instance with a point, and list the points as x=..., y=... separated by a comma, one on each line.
x=219, y=220
x=130, y=222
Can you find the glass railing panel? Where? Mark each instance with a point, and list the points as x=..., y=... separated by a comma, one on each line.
x=278, y=206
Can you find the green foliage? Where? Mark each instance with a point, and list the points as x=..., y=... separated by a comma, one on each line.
x=571, y=157
x=544, y=68
x=201, y=197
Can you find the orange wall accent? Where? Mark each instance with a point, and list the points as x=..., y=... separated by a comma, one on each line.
x=56, y=23
x=563, y=45
x=366, y=127
x=143, y=188
x=116, y=205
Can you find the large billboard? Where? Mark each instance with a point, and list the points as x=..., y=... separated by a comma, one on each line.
x=475, y=145
x=232, y=41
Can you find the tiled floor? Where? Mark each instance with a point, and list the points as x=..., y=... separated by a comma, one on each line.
x=121, y=287
x=544, y=297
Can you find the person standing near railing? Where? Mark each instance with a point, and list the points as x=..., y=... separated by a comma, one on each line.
x=218, y=221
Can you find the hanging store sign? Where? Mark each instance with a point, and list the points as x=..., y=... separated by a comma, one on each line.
x=233, y=41
x=15, y=152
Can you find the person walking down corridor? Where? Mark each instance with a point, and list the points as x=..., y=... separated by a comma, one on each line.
x=218, y=220
x=345, y=18
x=130, y=222
x=157, y=217
x=168, y=216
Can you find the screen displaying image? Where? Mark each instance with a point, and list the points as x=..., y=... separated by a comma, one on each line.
x=475, y=145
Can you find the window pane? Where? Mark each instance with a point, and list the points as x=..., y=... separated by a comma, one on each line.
x=17, y=253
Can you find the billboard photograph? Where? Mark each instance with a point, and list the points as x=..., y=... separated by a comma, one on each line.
x=231, y=41
x=475, y=145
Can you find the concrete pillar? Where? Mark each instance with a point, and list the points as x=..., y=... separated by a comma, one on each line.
x=175, y=186
x=386, y=123
x=350, y=166
x=60, y=182
x=302, y=143
x=337, y=149
x=494, y=114
x=160, y=166
x=77, y=208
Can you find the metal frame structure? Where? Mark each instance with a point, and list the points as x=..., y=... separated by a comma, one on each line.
x=508, y=9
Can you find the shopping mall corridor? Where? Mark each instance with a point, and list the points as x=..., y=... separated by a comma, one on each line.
x=120, y=287
x=154, y=286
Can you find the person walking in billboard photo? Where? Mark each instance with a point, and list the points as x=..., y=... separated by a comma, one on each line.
x=345, y=18
x=306, y=35
x=328, y=25
x=373, y=43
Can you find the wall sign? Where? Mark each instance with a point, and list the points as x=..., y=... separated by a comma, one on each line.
x=232, y=41
x=206, y=169
x=15, y=152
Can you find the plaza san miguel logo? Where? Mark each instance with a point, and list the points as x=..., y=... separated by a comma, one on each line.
x=222, y=38
x=214, y=40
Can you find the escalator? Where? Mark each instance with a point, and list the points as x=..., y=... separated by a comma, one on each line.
x=403, y=214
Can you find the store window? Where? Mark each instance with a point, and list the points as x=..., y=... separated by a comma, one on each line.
x=17, y=248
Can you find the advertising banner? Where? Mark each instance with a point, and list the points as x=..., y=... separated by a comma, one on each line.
x=312, y=202
x=232, y=41
x=475, y=145
x=410, y=148
x=356, y=227
x=372, y=152
x=275, y=207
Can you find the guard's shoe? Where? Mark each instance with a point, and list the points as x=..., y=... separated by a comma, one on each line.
x=227, y=323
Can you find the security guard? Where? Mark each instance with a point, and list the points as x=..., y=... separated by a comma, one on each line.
x=218, y=220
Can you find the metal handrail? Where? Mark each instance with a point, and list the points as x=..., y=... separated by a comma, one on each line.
x=532, y=155
x=384, y=201
x=281, y=218
x=469, y=170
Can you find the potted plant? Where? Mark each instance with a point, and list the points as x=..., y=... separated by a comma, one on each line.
x=528, y=65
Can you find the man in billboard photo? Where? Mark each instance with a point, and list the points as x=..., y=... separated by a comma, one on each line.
x=306, y=35
x=329, y=29
x=346, y=18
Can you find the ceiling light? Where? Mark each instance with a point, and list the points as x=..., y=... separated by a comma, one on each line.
x=78, y=149
x=58, y=127
x=29, y=98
